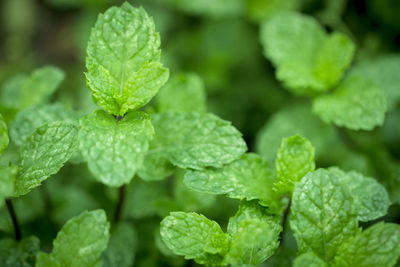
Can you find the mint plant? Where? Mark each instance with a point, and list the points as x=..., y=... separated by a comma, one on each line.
x=156, y=151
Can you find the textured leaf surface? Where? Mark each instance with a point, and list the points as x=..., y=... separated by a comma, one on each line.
x=313, y=65
x=254, y=235
x=196, y=140
x=309, y=259
x=28, y=120
x=22, y=253
x=356, y=104
x=378, y=246
x=192, y=235
x=123, y=60
x=292, y=120
x=247, y=178
x=7, y=181
x=44, y=153
x=24, y=91
x=370, y=198
x=294, y=160
x=114, y=149
x=183, y=92
x=80, y=241
x=322, y=217
x=4, y=140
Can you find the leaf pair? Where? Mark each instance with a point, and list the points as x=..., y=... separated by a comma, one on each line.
x=317, y=63
x=252, y=236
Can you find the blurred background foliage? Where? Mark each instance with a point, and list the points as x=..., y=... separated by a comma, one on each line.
x=219, y=41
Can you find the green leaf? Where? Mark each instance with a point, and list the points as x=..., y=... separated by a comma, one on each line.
x=114, y=149
x=249, y=210
x=371, y=200
x=383, y=71
x=292, y=120
x=44, y=153
x=315, y=64
x=183, y=92
x=378, y=246
x=7, y=181
x=4, y=140
x=309, y=259
x=21, y=92
x=28, y=120
x=254, y=235
x=121, y=248
x=196, y=140
x=247, y=178
x=123, y=60
x=356, y=104
x=19, y=253
x=80, y=241
x=192, y=235
x=322, y=216
x=294, y=160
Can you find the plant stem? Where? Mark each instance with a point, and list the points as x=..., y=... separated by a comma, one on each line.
x=120, y=204
x=14, y=219
x=284, y=221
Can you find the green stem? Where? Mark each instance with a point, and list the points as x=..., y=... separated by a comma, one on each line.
x=120, y=204
x=284, y=221
x=14, y=219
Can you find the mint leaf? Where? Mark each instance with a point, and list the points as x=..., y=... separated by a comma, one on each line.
x=183, y=92
x=194, y=236
x=4, y=140
x=123, y=60
x=196, y=140
x=28, y=120
x=309, y=259
x=371, y=200
x=294, y=160
x=249, y=210
x=121, y=248
x=7, y=181
x=356, y=104
x=44, y=153
x=322, y=216
x=80, y=241
x=254, y=235
x=313, y=65
x=247, y=178
x=378, y=246
x=114, y=149
x=22, y=92
x=19, y=253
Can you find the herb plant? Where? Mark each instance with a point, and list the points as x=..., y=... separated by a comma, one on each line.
x=146, y=169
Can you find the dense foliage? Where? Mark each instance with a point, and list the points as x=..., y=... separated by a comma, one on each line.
x=201, y=132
